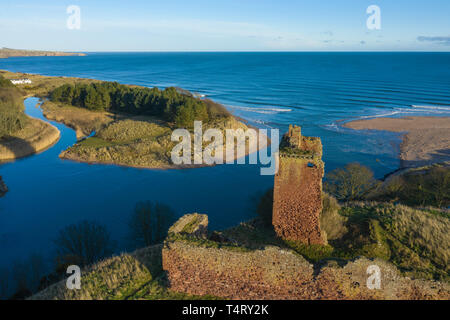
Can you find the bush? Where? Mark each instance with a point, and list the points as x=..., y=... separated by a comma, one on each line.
x=350, y=183
x=428, y=186
x=331, y=222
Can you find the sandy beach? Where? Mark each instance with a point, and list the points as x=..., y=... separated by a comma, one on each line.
x=426, y=139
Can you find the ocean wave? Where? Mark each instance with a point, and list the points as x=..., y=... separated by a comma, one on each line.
x=414, y=109
x=431, y=107
x=269, y=110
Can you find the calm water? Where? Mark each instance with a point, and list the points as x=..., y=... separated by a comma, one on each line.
x=272, y=90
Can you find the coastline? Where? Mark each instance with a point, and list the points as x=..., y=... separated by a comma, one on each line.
x=425, y=139
x=84, y=122
x=6, y=53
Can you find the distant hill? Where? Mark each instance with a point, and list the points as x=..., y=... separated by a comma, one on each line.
x=7, y=52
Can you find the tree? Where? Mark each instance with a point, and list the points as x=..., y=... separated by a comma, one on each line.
x=351, y=182
x=149, y=223
x=85, y=242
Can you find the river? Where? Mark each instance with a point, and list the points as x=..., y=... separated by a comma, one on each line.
x=48, y=193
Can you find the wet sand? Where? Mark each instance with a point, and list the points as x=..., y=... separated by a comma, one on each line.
x=426, y=140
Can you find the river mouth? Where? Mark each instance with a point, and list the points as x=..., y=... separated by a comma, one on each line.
x=47, y=193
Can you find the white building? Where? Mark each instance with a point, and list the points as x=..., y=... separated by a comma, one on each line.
x=21, y=81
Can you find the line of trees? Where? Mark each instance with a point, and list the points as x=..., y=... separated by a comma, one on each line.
x=170, y=104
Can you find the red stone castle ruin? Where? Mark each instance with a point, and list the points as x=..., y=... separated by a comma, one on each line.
x=297, y=198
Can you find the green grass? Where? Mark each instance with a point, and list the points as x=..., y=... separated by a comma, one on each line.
x=95, y=142
x=313, y=253
x=126, y=142
x=206, y=243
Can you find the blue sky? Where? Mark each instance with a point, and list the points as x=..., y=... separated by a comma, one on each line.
x=231, y=25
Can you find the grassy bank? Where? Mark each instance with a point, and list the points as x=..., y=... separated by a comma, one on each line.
x=132, y=124
x=416, y=242
x=132, y=276
x=35, y=137
x=20, y=135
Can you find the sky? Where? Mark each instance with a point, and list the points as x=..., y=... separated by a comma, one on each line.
x=231, y=25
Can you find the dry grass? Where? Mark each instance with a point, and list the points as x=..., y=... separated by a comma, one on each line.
x=132, y=130
x=129, y=142
x=114, y=278
x=142, y=142
x=424, y=230
x=35, y=137
x=331, y=222
x=81, y=120
x=415, y=240
x=137, y=275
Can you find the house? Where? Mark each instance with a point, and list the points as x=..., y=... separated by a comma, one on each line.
x=21, y=81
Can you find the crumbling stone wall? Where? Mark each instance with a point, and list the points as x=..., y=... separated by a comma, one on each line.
x=200, y=266
x=261, y=274
x=276, y=274
x=297, y=200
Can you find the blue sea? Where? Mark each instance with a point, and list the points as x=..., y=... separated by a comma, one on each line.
x=270, y=90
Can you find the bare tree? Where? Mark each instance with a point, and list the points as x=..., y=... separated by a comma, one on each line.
x=149, y=223
x=85, y=242
x=350, y=183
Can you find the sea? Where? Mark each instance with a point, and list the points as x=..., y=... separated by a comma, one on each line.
x=316, y=90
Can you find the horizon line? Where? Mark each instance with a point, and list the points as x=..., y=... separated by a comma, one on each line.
x=253, y=51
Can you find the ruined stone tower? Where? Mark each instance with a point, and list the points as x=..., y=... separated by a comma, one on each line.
x=297, y=197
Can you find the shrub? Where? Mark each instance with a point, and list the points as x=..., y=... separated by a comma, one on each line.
x=331, y=222
x=428, y=186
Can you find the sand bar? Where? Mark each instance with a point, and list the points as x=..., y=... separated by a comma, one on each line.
x=426, y=139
